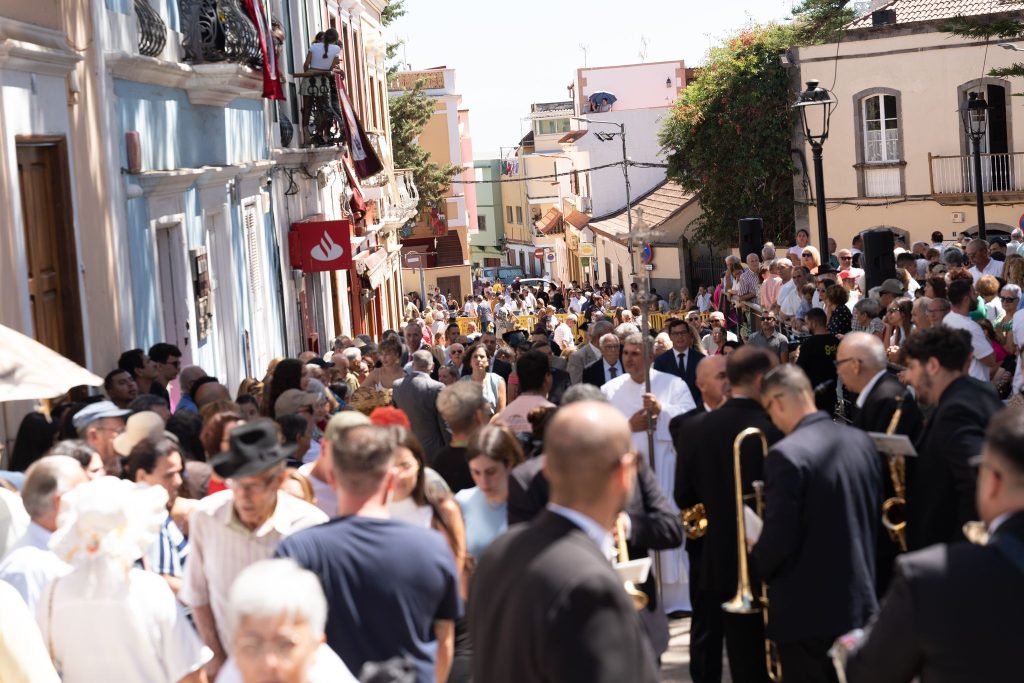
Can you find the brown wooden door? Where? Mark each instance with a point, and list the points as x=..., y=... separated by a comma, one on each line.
x=50, y=245
x=451, y=284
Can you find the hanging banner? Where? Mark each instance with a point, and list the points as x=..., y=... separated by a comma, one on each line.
x=271, y=78
x=364, y=157
x=324, y=245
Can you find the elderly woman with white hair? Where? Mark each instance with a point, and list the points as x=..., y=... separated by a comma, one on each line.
x=109, y=620
x=278, y=635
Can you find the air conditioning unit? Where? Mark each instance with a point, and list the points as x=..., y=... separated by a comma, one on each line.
x=586, y=205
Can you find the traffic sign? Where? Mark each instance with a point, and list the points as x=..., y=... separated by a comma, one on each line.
x=549, y=257
x=587, y=249
x=648, y=266
x=412, y=259
x=539, y=252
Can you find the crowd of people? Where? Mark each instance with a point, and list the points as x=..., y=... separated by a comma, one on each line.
x=347, y=516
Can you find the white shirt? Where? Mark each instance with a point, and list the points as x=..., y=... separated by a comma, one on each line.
x=980, y=344
x=326, y=496
x=993, y=267
x=30, y=565
x=470, y=308
x=1018, y=339
x=13, y=520
x=708, y=344
x=597, y=533
x=608, y=376
x=23, y=655
x=220, y=547
x=862, y=397
x=327, y=667
x=575, y=305
x=109, y=627
x=317, y=59
x=704, y=302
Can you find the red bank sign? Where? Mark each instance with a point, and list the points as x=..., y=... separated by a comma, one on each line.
x=317, y=246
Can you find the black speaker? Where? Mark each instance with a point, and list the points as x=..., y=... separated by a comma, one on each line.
x=751, y=237
x=878, y=262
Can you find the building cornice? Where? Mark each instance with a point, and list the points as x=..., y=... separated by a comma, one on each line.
x=27, y=47
x=162, y=183
x=214, y=85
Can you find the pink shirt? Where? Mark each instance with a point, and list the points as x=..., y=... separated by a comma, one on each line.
x=770, y=291
x=514, y=415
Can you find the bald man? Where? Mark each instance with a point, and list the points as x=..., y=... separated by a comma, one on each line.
x=546, y=604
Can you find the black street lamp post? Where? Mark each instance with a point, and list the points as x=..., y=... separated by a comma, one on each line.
x=973, y=113
x=815, y=106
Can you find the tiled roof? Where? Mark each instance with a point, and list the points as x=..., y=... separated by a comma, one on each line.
x=658, y=205
x=551, y=223
x=910, y=11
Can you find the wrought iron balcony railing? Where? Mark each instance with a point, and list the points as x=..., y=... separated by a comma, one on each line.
x=219, y=31
x=321, y=109
x=152, y=30
x=954, y=175
x=407, y=190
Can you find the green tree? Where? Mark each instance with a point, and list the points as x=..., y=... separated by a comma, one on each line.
x=728, y=137
x=1007, y=25
x=393, y=10
x=410, y=113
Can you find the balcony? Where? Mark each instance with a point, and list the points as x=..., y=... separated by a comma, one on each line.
x=320, y=118
x=219, y=31
x=953, y=176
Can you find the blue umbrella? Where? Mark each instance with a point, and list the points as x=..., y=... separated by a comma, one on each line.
x=601, y=101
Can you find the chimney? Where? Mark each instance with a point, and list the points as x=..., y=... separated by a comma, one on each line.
x=883, y=17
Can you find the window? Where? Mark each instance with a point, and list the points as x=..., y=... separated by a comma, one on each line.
x=481, y=222
x=508, y=214
x=881, y=129
x=550, y=126
x=519, y=215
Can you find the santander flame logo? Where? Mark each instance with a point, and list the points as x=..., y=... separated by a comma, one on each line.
x=327, y=249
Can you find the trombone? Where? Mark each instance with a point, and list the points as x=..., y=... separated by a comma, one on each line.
x=743, y=601
x=894, y=509
x=638, y=597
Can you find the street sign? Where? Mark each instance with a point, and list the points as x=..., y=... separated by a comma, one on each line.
x=539, y=252
x=549, y=257
x=587, y=249
x=412, y=259
x=648, y=266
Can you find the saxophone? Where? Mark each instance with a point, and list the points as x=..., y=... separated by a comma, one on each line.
x=894, y=509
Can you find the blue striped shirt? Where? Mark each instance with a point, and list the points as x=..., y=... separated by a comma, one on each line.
x=167, y=554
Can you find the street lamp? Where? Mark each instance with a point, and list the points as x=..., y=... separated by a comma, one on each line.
x=606, y=137
x=973, y=114
x=816, y=105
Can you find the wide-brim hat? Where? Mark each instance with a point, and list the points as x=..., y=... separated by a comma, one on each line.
x=142, y=425
x=891, y=286
x=252, y=449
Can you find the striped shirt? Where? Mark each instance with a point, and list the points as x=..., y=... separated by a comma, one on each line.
x=167, y=554
x=220, y=547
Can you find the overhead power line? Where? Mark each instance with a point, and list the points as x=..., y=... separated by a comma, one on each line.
x=520, y=179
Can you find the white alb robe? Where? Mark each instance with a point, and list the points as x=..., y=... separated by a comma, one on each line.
x=675, y=399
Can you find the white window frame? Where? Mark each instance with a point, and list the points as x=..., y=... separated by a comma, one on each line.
x=886, y=156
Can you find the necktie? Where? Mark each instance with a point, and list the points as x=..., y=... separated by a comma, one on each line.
x=681, y=362
x=612, y=371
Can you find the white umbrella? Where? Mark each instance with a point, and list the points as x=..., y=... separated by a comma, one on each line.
x=29, y=370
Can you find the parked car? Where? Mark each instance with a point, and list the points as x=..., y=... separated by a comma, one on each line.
x=503, y=274
x=536, y=282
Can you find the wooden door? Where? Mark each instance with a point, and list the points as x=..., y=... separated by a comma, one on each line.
x=51, y=258
x=451, y=284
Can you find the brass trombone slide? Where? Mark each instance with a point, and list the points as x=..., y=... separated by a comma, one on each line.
x=894, y=509
x=743, y=601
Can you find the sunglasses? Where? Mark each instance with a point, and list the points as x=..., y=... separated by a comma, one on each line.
x=845, y=258
x=808, y=255
x=1009, y=298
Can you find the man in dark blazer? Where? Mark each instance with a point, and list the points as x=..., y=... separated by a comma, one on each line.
x=940, y=489
x=823, y=485
x=953, y=612
x=704, y=474
x=412, y=335
x=560, y=380
x=862, y=364
x=416, y=396
x=682, y=359
x=545, y=603
x=652, y=526
x=609, y=365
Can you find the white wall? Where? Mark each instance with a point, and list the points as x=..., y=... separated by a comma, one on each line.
x=607, y=185
x=637, y=86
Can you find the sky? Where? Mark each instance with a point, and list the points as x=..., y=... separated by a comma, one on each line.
x=508, y=54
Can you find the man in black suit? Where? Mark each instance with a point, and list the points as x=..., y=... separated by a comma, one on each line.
x=652, y=524
x=413, y=337
x=546, y=604
x=823, y=485
x=682, y=359
x=940, y=490
x=862, y=365
x=705, y=474
x=608, y=366
x=416, y=396
x=953, y=612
